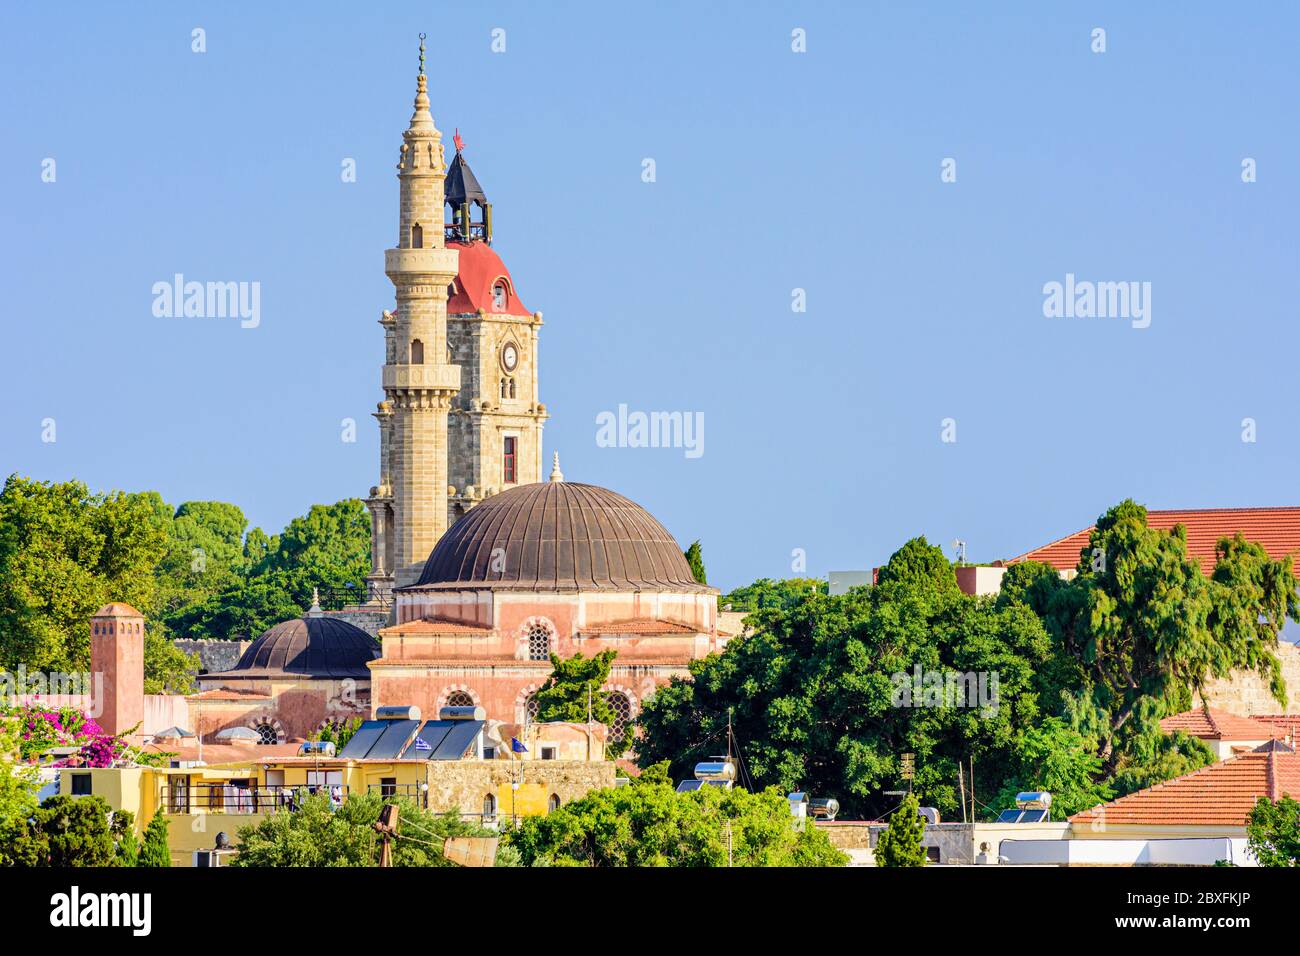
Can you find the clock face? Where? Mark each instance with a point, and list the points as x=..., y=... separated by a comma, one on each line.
x=510, y=357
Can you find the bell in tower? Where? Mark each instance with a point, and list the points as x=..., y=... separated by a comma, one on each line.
x=463, y=193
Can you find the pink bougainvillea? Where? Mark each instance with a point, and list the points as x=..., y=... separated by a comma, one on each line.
x=41, y=728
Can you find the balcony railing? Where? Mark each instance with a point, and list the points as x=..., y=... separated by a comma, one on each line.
x=226, y=798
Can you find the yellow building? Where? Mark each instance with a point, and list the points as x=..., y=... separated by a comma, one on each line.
x=201, y=801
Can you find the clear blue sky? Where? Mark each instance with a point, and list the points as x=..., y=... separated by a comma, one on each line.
x=775, y=170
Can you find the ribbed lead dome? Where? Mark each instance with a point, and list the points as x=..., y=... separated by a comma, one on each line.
x=307, y=647
x=559, y=536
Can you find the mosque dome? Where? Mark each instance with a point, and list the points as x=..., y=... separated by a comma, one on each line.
x=307, y=647
x=558, y=536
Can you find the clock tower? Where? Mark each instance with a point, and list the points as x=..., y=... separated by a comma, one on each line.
x=495, y=427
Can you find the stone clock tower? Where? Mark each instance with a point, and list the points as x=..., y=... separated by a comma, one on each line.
x=460, y=419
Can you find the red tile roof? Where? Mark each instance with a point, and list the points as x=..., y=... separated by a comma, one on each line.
x=643, y=626
x=1221, y=794
x=434, y=626
x=1211, y=724
x=1276, y=529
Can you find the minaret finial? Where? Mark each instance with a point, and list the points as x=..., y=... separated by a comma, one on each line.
x=556, y=474
x=422, y=54
x=315, y=610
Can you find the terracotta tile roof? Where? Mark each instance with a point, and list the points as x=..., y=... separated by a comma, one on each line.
x=223, y=693
x=1289, y=724
x=1221, y=794
x=1209, y=724
x=434, y=627
x=643, y=626
x=1276, y=529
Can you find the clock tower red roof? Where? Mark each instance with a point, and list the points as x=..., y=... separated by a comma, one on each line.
x=480, y=268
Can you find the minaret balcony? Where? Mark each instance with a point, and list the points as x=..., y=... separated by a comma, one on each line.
x=416, y=262
x=445, y=377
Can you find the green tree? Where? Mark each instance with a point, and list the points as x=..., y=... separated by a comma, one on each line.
x=695, y=558
x=820, y=695
x=65, y=831
x=316, y=835
x=767, y=594
x=918, y=560
x=18, y=788
x=128, y=846
x=573, y=687
x=1143, y=629
x=1273, y=832
x=1056, y=758
x=648, y=824
x=64, y=553
x=155, y=852
x=900, y=843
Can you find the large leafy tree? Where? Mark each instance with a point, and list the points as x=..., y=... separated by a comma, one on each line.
x=64, y=553
x=918, y=560
x=317, y=835
x=1273, y=832
x=1143, y=629
x=329, y=548
x=766, y=593
x=65, y=831
x=813, y=693
x=573, y=692
x=1056, y=758
x=648, y=824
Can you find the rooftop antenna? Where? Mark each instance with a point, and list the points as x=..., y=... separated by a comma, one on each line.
x=960, y=547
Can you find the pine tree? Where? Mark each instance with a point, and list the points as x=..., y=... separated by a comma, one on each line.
x=155, y=851
x=900, y=844
x=128, y=845
x=695, y=558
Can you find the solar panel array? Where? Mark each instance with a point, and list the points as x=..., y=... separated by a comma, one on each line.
x=1023, y=816
x=396, y=739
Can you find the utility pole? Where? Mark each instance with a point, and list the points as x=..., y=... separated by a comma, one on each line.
x=961, y=788
x=386, y=827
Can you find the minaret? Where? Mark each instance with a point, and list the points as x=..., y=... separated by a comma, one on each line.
x=409, y=507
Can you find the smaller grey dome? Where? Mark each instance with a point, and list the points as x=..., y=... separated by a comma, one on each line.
x=307, y=647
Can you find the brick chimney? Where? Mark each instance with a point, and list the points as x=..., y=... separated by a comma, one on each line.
x=117, y=660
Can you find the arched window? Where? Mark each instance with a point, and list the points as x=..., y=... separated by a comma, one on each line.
x=553, y=804
x=417, y=236
x=622, y=708
x=458, y=698
x=539, y=643
x=504, y=388
x=499, y=296
x=417, y=352
x=512, y=388
x=530, y=707
x=266, y=733
x=489, y=807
